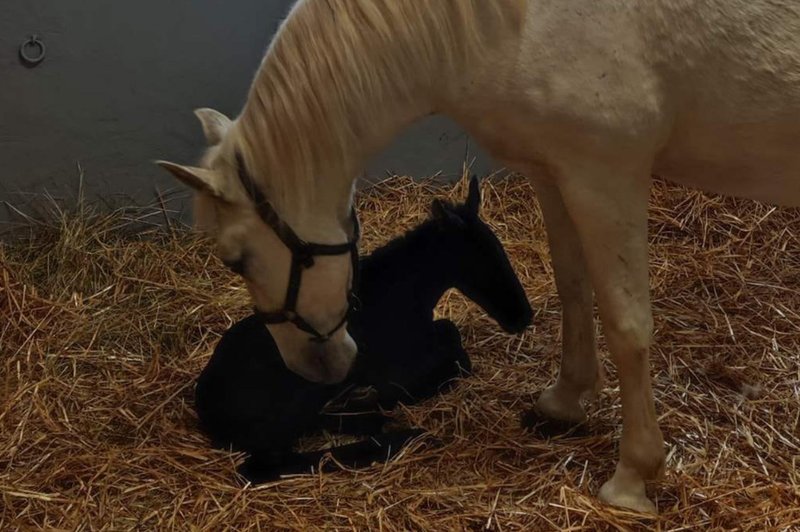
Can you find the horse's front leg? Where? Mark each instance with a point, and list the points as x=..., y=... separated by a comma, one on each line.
x=608, y=205
x=580, y=374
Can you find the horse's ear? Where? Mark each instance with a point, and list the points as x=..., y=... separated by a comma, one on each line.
x=474, y=196
x=215, y=124
x=200, y=179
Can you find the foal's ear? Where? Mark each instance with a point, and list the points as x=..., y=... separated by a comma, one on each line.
x=474, y=196
x=215, y=124
x=438, y=210
x=443, y=213
x=200, y=179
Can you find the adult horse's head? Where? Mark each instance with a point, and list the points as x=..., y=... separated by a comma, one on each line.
x=298, y=263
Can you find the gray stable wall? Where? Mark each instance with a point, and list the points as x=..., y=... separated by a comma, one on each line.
x=118, y=85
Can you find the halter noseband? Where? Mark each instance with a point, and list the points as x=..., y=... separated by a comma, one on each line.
x=303, y=254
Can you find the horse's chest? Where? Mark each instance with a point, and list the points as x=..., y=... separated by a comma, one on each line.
x=507, y=134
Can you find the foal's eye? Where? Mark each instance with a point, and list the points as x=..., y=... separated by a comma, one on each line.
x=236, y=266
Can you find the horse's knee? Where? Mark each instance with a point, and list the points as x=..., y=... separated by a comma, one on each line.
x=573, y=286
x=629, y=335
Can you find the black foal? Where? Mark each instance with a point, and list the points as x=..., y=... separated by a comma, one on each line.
x=247, y=399
x=403, y=353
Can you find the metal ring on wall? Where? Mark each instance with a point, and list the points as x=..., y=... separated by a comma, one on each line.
x=32, y=59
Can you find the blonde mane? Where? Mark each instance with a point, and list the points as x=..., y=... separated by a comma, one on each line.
x=336, y=67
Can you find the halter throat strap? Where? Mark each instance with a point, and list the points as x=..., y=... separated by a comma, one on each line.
x=303, y=254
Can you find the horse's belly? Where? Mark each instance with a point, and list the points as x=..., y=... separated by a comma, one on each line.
x=756, y=161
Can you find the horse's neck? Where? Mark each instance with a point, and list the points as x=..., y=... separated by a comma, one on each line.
x=332, y=90
x=341, y=79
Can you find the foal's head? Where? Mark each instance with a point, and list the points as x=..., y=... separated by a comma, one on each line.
x=479, y=263
x=314, y=343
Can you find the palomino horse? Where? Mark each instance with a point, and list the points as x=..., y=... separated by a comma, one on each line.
x=587, y=97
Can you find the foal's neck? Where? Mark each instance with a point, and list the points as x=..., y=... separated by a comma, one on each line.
x=417, y=266
x=438, y=279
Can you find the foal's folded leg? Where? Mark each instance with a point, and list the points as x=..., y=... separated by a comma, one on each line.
x=445, y=360
x=267, y=466
x=354, y=398
x=378, y=448
x=448, y=338
x=271, y=465
x=354, y=410
x=356, y=423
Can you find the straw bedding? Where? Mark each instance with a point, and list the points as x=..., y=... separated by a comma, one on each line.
x=103, y=329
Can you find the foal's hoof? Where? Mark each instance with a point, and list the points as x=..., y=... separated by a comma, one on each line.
x=630, y=495
x=361, y=398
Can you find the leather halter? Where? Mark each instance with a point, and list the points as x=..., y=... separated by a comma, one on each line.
x=303, y=254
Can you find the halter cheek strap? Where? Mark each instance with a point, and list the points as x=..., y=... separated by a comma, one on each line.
x=303, y=254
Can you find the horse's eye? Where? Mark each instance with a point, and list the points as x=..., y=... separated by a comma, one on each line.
x=236, y=266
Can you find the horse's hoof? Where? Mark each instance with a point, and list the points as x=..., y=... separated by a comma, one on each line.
x=628, y=495
x=545, y=427
x=557, y=407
